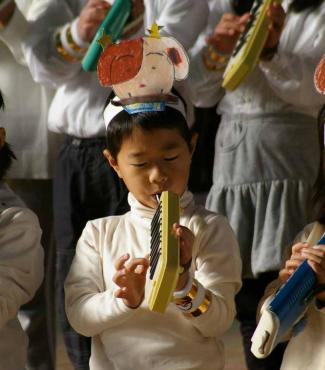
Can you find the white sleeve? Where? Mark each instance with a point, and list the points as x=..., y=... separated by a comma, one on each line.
x=182, y=19
x=45, y=63
x=204, y=85
x=291, y=71
x=291, y=77
x=21, y=255
x=13, y=34
x=91, y=307
x=218, y=269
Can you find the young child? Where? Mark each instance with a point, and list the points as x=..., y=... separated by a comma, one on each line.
x=305, y=351
x=21, y=268
x=149, y=145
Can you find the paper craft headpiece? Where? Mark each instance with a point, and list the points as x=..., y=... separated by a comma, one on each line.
x=142, y=72
x=319, y=76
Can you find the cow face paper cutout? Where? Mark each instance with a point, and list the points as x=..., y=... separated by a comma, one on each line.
x=147, y=66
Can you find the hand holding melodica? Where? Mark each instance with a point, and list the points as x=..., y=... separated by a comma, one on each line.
x=227, y=32
x=316, y=260
x=91, y=17
x=277, y=16
x=6, y=12
x=131, y=279
x=186, y=243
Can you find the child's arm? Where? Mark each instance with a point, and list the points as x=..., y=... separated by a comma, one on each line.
x=316, y=259
x=21, y=256
x=90, y=301
x=217, y=268
x=131, y=279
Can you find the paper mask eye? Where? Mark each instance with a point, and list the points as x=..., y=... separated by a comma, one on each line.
x=120, y=62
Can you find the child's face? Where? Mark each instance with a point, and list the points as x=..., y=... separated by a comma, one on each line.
x=150, y=162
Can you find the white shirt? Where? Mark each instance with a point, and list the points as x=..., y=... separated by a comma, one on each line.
x=139, y=338
x=26, y=107
x=21, y=273
x=284, y=84
x=77, y=108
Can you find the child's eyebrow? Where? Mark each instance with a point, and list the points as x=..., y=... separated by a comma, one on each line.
x=169, y=146
x=136, y=154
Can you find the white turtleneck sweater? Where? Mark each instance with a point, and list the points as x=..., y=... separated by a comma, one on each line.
x=21, y=273
x=138, y=338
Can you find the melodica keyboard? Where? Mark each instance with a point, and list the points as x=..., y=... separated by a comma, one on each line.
x=249, y=45
x=164, y=254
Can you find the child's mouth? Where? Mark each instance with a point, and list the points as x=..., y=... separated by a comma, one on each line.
x=156, y=197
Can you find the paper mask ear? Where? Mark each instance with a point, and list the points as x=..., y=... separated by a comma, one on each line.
x=177, y=56
x=319, y=76
x=120, y=62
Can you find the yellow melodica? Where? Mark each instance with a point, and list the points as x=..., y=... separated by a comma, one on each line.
x=164, y=256
x=249, y=45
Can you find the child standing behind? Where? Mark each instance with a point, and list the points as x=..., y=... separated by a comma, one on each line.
x=21, y=268
x=305, y=351
x=107, y=287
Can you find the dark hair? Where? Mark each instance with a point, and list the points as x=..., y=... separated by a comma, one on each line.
x=122, y=125
x=318, y=199
x=2, y=103
x=6, y=157
x=243, y=6
x=6, y=154
x=301, y=5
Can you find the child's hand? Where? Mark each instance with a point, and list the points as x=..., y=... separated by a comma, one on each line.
x=6, y=12
x=277, y=16
x=316, y=260
x=131, y=279
x=186, y=243
x=294, y=261
x=91, y=17
x=227, y=32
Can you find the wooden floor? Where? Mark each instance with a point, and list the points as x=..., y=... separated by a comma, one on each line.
x=232, y=341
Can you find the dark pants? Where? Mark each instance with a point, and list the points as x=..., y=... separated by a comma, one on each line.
x=85, y=188
x=247, y=301
x=38, y=315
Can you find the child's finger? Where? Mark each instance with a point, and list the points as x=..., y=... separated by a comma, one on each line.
x=135, y=262
x=312, y=256
x=296, y=248
x=141, y=270
x=318, y=269
x=292, y=264
x=243, y=20
x=183, y=232
x=319, y=247
x=119, y=264
x=119, y=277
x=284, y=274
x=121, y=293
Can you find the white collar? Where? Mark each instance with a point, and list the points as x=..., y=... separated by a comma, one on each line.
x=143, y=211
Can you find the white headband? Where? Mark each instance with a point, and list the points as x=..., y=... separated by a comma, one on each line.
x=114, y=109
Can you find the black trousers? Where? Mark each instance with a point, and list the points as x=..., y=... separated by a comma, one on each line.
x=85, y=188
x=247, y=301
